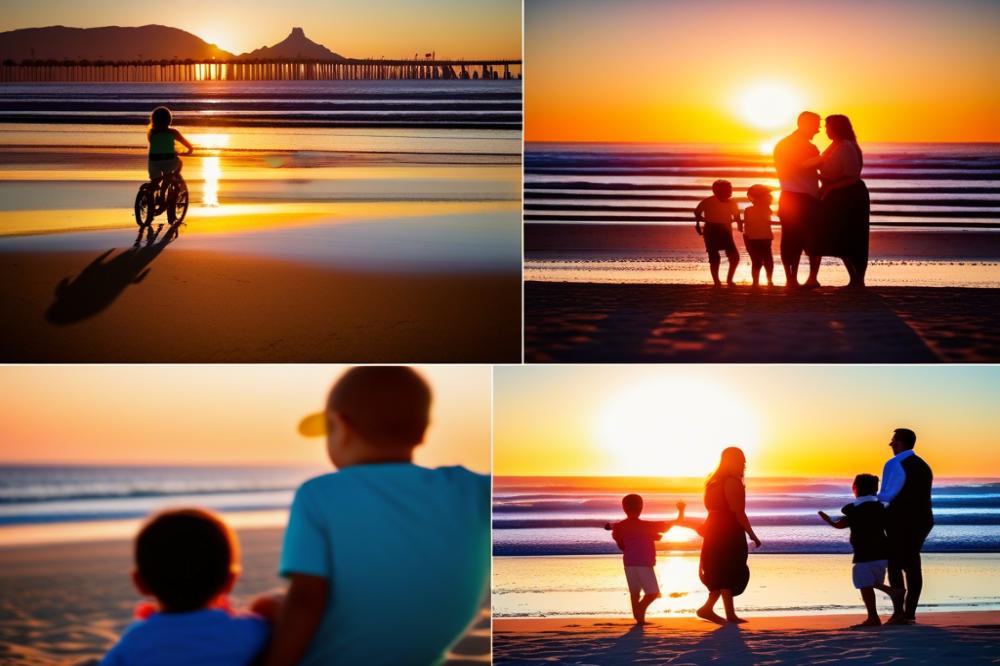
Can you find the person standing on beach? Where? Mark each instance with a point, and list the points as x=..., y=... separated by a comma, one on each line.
x=723, y=566
x=798, y=206
x=906, y=492
x=718, y=212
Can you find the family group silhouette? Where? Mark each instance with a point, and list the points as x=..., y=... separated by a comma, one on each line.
x=823, y=210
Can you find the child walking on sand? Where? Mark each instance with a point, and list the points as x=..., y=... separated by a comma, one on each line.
x=757, y=234
x=865, y=516
x=718, y=212
x=188, y=560
x=637, y=539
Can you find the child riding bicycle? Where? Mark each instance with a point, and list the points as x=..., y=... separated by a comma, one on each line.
x=163, y=159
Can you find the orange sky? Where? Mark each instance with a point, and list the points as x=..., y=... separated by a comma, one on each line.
x=183, y=414
x=375, y=28
x=638, y=70
x=673, y=420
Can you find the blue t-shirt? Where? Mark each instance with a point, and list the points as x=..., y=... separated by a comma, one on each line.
x=209, y=637
x=406, y=552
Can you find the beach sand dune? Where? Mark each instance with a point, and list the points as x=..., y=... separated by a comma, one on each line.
x=581, y=322
x=940, y=638
x=68, y=603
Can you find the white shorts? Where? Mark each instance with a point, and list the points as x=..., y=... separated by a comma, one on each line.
x=869, y=574
x=641, y=579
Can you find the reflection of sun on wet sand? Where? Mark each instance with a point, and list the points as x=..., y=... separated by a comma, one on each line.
x=292, y=255
x=68, y=603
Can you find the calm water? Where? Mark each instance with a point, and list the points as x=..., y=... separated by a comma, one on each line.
x=552, y=556
x=467, y=104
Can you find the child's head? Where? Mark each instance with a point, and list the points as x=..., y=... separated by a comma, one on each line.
x=865, y=484
x=760, y=195
x=722, y=189
x=632, y=505
x=376, y=413
x=186, y=558
x=160, y=118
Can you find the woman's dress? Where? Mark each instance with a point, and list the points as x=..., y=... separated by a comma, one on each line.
x=724, y=549
x=846, y=204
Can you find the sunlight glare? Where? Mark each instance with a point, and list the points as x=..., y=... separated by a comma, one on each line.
x=769, y=105
x=672, y=427
x=210, y=171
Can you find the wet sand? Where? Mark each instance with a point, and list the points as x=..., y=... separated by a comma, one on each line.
x=940, y=638
x=586, y=322
x=67, y=603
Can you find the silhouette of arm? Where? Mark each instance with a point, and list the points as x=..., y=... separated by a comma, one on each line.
x=298, y=619
x=736, y=499
x=840, y=523
x=893, y=478
x=184, y=142
x=698, y=212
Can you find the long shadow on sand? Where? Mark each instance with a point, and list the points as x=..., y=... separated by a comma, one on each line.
x=103, y=280
x=566, y=322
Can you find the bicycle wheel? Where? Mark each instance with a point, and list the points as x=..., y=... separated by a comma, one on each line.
x=144, y=205
x=177, y=208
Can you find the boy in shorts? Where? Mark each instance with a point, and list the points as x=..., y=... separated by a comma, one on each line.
x=718, y=212
x=757, y=234
x=637, y=539
x=865, y=516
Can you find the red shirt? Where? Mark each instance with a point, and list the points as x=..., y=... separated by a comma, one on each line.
x=637, y=538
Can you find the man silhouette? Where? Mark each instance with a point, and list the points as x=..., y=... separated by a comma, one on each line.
x=906, y=492
x=798, y=207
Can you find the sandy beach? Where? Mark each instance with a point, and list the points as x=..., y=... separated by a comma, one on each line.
x=581, y=322
x=940, y=638
x=298, y=247
x=66, y=603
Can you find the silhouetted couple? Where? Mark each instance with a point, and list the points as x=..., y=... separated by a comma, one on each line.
x=824, y=206
x=887, y=532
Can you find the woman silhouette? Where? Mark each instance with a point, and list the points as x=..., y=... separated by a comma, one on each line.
x=723, y=568
x=844, y=198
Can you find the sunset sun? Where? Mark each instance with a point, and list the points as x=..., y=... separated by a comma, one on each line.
x=673, y=428
x=768, y=106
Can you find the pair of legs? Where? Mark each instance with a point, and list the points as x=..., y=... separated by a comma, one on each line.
x=760, y=257
x=707, y=611
x=790, y=262
x=868, y=596
x=643, y=590
x=905, y=573
x=800, y=215
x=714, y=262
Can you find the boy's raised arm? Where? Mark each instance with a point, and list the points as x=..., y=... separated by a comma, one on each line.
x=840, y=523
x=297, y=620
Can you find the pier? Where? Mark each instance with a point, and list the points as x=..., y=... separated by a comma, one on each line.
x=173, y=71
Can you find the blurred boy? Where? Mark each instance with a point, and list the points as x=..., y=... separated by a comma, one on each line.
x=188, y=560
x=388, y=562
x=718, y=212
x=637, y=539
x=865, y=516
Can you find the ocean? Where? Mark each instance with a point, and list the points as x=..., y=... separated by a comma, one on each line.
x=935, y=210
x=428, y=104
x=542, y=516
x=49, y=499
x=552, y=557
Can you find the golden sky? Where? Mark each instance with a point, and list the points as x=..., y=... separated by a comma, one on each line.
x=190, y=415
x=685, y=70
x=374, y=28
x=673, y=420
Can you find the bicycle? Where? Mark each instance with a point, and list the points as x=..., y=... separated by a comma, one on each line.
x=170, y=196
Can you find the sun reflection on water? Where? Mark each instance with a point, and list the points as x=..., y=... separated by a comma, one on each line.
x=210, y=171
